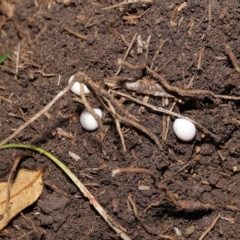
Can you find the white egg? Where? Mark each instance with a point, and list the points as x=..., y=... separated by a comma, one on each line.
x=184, y=129
x=88, y=121
x=76, y=87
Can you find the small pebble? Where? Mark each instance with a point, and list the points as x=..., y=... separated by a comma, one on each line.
x=177, y=231
x=184, y=129
x=87, y=120
x=76, y=87
x=189, y=230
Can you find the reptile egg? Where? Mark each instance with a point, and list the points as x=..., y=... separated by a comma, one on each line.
x=184, y=129
x=76, y=87
x=88, y=121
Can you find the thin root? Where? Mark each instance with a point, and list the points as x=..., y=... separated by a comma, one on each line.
x=127, y=118
x=117, y=125
x=165, y=111
x=187, y=205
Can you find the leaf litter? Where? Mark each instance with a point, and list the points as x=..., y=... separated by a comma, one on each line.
x=24, y=191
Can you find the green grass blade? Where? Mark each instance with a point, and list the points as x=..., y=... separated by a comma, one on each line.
x=47, y=154
x=4, y=57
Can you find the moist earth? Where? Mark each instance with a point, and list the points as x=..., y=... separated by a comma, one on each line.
x=52, y=40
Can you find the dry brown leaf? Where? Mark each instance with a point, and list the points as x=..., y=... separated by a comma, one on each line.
x=24, y=191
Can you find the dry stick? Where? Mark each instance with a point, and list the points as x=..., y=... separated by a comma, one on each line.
x=132, y=203
x=141, y=128
x=118, y=228
x=188, y=205
x=10, y=178
x=232, y=58
x=165, y=237
x=162, y=42
x=209, y=14
x=5, y=99
x=133, y=206
x=188, y=93
x=160, y=109
x=33, y=227
x=89, y=108
x=166, y=120
x=176, y=90
x=147, y=45
x=117, y=125
x=83, y=37
x=126, y=54
x=98, y=91
x=128, y=2
x=199, y=66
x=210, y=227
x=39, y=114
x=122, y=62
x=17, y=60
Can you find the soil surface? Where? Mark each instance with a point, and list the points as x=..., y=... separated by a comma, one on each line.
x=52, y=40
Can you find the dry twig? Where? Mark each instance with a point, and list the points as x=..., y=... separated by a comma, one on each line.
x=175, y=90
x=89, y=108
x=128, y=2
x=10, y=179
x=165, y=111
x=39, y=114
x=126, y=54
x=186, y=92
x=210, y=227
x=99, y=93
x=232, y=58
x=187, y=205
x=34, y=229
x=117, y=124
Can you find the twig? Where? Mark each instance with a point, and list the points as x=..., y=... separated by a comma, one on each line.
x=128, y=2
x=117, y=125
x=162, y=42
x=165, y=111
x=122, y=62
x=176, y=90
x=147, y=228
x=17, y=60
x=188, y=93
x=89, y=108
x=45, y=74
x=209, y=13
x=30, y=232
x=111, y=222
x=199, y=66
x=133, y=206
x=165, y=237
x=210, y=227
x=188, y=205
x=166, y=121
x=39, y=114
x=141, y=128
x=10, y=178
x=126, y=54
x=232, y=58
x=5, y=99
x=83, y=37
x=128, y=118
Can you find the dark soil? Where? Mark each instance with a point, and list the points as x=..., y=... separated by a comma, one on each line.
x=202, y=170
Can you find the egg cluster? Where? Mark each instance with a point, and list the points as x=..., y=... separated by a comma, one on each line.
x=184, y=129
